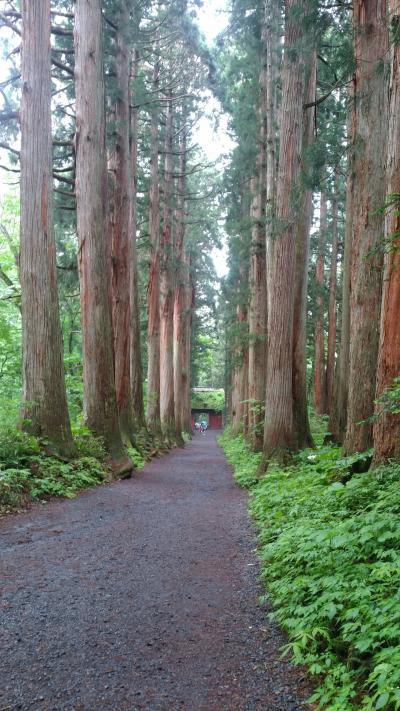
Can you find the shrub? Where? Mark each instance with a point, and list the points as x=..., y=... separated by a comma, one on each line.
x=16, y=447
x=136, y=458
x=88, y=445
x=330, y=554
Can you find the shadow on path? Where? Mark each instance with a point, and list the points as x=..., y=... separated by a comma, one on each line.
x=141, y=595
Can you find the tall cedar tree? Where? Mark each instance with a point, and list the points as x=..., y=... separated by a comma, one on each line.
x=181, y=311
x=300, y=410
x=387, y=426
x=167, y=409
x=319, y=355
x=370, y=134
x=258, y=306
x=44, y=410
x=122, y=230
x=338, y=415
x=136, y=372
x=153, y=292
x=279, y=431
x=94, y=234
x=330, y=360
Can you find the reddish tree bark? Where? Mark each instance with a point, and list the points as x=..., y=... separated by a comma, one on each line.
x=330, y=362
x=279, y=435
x=153, y=294
x=122, y=231
x=272, y=20
x=93, y=233
x=371, y=44
x=44, y=410
x=167, y=408
x=240, y=374
x=181, y=313
x=338, y=416
x=387, y=426
x=257, y=350
x=136, y=372
x=300, y=410
x=319, y=358
x=187, y=351
x=258, y=306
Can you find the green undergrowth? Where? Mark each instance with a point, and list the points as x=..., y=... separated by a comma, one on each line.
x=28, y=472
x=329, y=544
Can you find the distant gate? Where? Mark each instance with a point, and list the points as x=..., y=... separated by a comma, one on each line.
x=213, y=417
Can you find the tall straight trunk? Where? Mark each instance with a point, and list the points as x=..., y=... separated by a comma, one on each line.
x=300, y=410
x=338, y=415
x=371, y=45
x=93, y=233
x=330, y=362
x=187, y=350
x=319, y=336
x=44, y=410
x=136, y=372
x=167, y=408
x=279, y=435
x=257, y=351
x=181, y=314
x=240, y=375
x=122, y=231
x=258, y=306
x=153, y=293
x=387, y=426
x=273, y=32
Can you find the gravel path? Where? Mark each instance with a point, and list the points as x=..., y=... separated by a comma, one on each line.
x=141, y=595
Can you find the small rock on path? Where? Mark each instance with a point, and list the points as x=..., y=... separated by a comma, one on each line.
x=141, y=595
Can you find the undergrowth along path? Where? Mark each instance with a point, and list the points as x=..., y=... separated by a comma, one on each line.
x=141, y=595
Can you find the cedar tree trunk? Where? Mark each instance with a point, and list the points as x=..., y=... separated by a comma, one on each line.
x=167, y=409
x=279, y=435
x=135, y=344
x=300, y=410
x=44, y=410
x=94, y=234
x=330, y=362
x=371, y=107
x=181, y=314
x=122, y=232
x=387, y=426
x=319, y=358
x=153, y=293
x=338, y=416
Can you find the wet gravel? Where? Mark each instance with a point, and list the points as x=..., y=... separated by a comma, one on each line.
x=141, y=595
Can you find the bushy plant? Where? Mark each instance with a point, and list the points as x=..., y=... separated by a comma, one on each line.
x=239, y=455
x=51, y=477
x=16, y=447
x=47, y=477
x=87, y=444
x=136, y=458
x=330, y=553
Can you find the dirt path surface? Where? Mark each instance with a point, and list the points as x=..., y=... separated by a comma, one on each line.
x=141, y=595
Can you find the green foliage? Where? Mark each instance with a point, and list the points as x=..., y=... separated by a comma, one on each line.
x=27, y=473
x=330, y=553
x=389, y=401
x=48, y=477
x=239, y=455
x=136, y=457
x=16, y=448
x=88, y=445
x=208, y=399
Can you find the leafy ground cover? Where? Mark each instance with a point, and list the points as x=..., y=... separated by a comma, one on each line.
x=28, y=473
x=329, y=545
